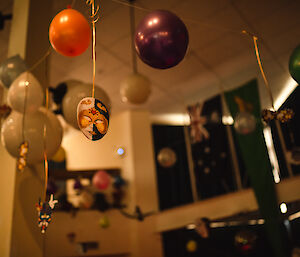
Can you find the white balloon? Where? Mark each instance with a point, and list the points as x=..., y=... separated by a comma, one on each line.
x=12, y=135
x=135, y=89
x=244, y=123
x=16, y=93
x=74, y=95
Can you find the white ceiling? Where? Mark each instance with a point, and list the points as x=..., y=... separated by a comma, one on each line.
x=218, y=53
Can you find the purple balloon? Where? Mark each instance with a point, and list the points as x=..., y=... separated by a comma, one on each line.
x=161, y=39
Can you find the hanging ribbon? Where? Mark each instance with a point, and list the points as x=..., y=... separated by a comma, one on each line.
x=93, y=16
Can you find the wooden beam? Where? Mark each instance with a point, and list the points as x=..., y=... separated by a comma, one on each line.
x=223, y=206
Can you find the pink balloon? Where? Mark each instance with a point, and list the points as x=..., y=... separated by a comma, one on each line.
x=101, y=180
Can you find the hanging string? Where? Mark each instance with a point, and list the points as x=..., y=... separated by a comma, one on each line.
x=261, y=66
x=132, y=32
x=39, y=61
x=93, y=15
x=45, y=147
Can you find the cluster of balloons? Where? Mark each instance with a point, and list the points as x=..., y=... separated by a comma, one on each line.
x=25, y=96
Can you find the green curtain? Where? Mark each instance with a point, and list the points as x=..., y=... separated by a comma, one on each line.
x=256, y=159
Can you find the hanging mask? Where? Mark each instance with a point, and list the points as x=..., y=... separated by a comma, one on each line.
x=92, y=118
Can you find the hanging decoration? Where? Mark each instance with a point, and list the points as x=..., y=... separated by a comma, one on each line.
x=191, y=246
x=69, y=33
x=138, y=214
x=161, y=39
x=22, y=159
x=135, y=88
x=92, y=114
x=267, y=115
x=45, y=212
x=104, y=222
x=245, y=241
x=75, y=92
x=294, y=64
x=101, y=180
x=93, y=118
x=166, y=157
x=10, y=69
x=244, y=121
x=283, y=116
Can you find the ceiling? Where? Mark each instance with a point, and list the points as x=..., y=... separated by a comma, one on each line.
x=218, y=53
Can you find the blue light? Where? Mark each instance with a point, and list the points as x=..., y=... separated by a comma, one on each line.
x=120, y=151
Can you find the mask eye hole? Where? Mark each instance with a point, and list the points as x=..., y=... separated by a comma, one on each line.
x=85, y=121
x=99, y=121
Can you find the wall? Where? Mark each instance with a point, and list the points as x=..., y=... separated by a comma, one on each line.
x=131, y=130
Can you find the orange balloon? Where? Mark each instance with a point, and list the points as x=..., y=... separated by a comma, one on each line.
x=70, y=33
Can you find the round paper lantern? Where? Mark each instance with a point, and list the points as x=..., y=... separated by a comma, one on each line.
x=16, y=93
x=74, y=95
x=101, y=180
x=294, y=64
x=104, y=222
x=92, y=118
x=191, y=246
x=11, y=69
x=161, y=39
x=244, y=123
x=135, y=89
x=166, y=157
x=69, y=33
x=12, y=138
x=245, y=241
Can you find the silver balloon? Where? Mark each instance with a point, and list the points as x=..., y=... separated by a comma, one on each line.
x=12, y=134
x=244, y=123
x=75, y=94
x=16, y=95
x=135, y=89
x=11, y=69
x=166, y=157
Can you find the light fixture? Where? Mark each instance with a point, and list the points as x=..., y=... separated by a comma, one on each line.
x=283, y=208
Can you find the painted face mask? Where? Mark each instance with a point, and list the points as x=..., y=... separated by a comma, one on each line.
x=92, y=118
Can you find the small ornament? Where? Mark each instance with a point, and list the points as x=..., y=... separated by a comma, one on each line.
x=245, y=241
x=191, y=246
x=244, y=123
x=22, y=160
x=45, y=212
x=284, y=115
x=104, y=222
x=92, y=118
x=166, y=157
x=268, y=115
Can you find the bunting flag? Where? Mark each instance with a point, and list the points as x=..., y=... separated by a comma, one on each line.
x=210, y=150
x=256, y=160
